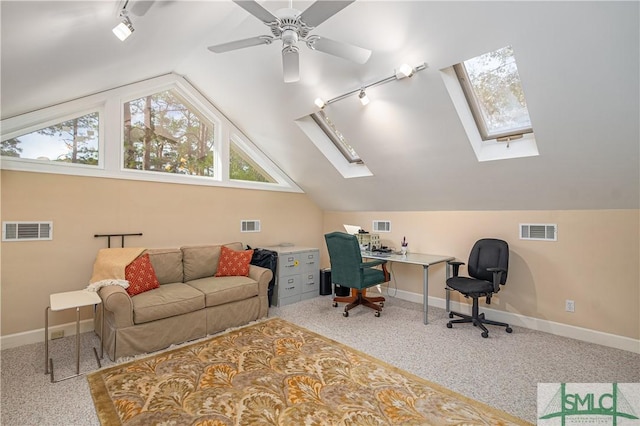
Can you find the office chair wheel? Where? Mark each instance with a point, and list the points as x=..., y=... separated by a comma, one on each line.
x=485, y=334
x=449, y=325
x=345, y=314
x=377, y=313
x=381, y=304
x=508, y=329
x=450, y=314
x=335, y=304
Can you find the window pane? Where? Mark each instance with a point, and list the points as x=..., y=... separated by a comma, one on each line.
x=72, y=141
x=499, y=99
x=329, y=129
x=242, y=167
x=163, y=133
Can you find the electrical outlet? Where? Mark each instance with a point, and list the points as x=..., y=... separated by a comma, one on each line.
x=570, y=306
x=58, y=334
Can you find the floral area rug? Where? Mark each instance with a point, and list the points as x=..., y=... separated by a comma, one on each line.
x=276, y=373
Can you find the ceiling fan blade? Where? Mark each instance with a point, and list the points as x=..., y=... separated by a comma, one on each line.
x=140, y=7
x=322, y=10
x=240, y=44
x=337, y=48
x=257, y=10
x=290, y=64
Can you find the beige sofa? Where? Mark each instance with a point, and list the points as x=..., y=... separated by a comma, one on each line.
x=190, y=302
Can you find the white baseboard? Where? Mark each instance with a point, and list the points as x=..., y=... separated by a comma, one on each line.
x=564, y=330
x=37, y=336
x=559, y=329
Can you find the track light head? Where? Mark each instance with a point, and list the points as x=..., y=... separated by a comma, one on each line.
x=403, y=71
x=124, y=28
x=364, y=99
x=319, y=103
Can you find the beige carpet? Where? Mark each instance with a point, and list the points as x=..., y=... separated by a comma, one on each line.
x=276, y=373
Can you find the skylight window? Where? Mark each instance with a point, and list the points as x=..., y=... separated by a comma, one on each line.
x=338, y=139
x=492, y=87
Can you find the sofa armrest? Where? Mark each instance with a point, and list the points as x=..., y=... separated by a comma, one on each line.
x=117, y=301
x=262, y=276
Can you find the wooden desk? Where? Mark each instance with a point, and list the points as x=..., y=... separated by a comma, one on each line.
x=425, y=260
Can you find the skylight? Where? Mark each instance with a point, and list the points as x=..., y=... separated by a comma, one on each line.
x=329, y=129
x=492, y=87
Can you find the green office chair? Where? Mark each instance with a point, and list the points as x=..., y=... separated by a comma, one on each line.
x=348, y=270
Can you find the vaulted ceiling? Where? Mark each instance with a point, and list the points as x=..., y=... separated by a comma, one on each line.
x=578, y=62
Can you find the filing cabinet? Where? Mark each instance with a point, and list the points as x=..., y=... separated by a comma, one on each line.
x=297, y=274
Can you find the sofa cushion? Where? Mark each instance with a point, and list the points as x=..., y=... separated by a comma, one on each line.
x=221, y=290
x=167, y=263
x=140, y=275
x=168, y=300
x=234, y=263
x=202, y=261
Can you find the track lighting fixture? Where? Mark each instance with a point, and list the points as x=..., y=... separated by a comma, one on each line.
x=403, y=71
x=124, y=28
x=364, y=99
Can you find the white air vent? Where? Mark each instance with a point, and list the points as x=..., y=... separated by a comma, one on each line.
x=27, y=231
x=539, y=231
x=250, y=226
x=381, y=226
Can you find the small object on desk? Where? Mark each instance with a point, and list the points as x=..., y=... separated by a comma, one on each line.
x=403, y=246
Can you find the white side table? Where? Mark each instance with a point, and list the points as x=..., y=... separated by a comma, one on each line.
x=68, y=300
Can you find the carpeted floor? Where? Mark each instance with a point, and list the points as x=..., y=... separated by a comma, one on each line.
x=501, y=371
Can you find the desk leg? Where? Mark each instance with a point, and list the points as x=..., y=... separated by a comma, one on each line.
x=425, y=292
x=78, y=341
x=447, y=290
x=46, y=340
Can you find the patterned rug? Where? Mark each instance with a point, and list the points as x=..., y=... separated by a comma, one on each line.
x=276, y=373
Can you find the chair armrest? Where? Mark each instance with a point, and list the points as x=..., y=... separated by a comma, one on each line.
x=117, y=301
x=262, y=276
x=372, y=263
x=497, y=276
x=456, y=266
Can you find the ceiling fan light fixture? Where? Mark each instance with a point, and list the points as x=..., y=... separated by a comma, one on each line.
x=124, y=28
x=320, y=103
x=364, y=99
x=405, y=70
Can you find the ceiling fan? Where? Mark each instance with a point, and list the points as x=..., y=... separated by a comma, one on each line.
x=291, y=26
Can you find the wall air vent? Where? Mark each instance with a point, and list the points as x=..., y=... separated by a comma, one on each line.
x=250, y=226
x=539, y=231
x=381, y=226
x=27, y=231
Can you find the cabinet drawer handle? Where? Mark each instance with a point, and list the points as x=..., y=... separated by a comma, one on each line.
x=289, y=288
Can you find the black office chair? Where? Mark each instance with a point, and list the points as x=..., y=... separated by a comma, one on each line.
x=488, y=267
x=348, y=270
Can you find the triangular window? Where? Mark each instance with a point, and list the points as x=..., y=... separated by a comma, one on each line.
x=75, y=141
x=243, y=167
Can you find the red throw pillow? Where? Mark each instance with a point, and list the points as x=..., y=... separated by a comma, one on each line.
x=140, y=275
x=234, y=263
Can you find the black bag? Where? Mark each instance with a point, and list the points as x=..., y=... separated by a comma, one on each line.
x=266, y=259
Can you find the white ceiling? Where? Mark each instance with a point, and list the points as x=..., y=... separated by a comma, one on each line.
x=578, y=61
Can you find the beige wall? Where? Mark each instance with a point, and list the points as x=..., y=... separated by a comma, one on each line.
x=595, y=262
x=168, y=215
